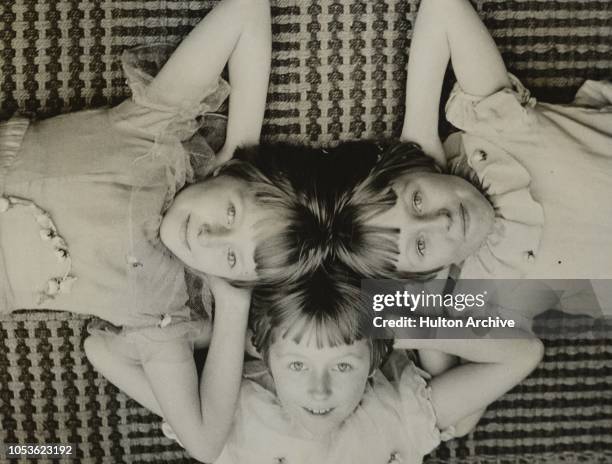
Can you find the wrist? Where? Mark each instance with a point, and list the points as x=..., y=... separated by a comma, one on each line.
x=231, y=309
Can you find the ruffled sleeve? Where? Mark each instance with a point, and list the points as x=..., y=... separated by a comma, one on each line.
x=594, y=94
x=179, y=132
x=140, y=66
x=511, y=246
x=172, y=156
x=170, y=340
x=505, y=111
x=417, y=410
x=416, y=404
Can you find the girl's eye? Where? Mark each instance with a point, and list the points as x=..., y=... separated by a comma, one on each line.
x=344, y=367
x=296, y=366
x=231, y=258
x=420, y=246
x=231, y=214
x=417, y=202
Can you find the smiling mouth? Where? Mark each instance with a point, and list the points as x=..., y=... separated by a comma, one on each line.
x=318, y=412
x=184, y=230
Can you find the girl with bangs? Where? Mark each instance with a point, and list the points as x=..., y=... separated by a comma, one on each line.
x=102, y=211
x=525, y=195
x=324, y=392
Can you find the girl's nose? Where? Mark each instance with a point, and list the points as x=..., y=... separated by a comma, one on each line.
x=211, y=235
x=320, y=385
x=440, y=220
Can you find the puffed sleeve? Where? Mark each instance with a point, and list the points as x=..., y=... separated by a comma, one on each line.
x=148, y=111
x=594, y=94
x=416, y=408
x=508, y=110
x=168, y=341
x=185, y=134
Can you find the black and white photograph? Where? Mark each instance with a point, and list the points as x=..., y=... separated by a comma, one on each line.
x=306, y=231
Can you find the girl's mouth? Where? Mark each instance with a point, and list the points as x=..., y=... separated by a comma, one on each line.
x=318, y=412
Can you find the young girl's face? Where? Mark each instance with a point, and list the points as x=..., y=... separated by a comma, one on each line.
x=442, y=220
x=212, y=226
x=319, y=388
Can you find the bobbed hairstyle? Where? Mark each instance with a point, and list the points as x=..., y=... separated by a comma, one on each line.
x=375, y=195
x=325, y=308
x=321, y=222
x=330, y=196
x=277, y=197
x=324, y=199
x=376, y=257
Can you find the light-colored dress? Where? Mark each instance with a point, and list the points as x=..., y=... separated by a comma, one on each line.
x=548, y=172
x=394, y=423
x=95, y=185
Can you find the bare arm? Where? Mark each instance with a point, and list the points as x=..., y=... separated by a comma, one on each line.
x=447, y=29
x=200, y=415
x=237, y=32
x=125, y=373
x=493, y=366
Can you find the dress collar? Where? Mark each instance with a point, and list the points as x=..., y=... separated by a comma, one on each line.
x=512, y=246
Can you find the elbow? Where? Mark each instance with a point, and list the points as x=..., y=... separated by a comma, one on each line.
x=208, y=448
x=529, y=356
x=537, y=352
x=209, y=455
x=200, y=457
x=95, y=348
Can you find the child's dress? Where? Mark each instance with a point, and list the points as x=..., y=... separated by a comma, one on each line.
x=548, y=171
x=83, y=195
x=394, y=423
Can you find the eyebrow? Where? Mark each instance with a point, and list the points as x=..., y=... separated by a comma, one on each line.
x=354, y=356
x=292, y=354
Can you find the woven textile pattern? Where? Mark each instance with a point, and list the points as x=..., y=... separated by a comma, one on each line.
x=338, y=66
x=338, y=73
x=50, y=393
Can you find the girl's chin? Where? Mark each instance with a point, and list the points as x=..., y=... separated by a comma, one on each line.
x=318, y=428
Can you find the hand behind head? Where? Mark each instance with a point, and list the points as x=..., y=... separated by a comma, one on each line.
x=226, y=294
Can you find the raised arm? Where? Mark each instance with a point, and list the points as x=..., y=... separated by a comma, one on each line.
x=493, y=366
x=199, y=412
x=446, y=29
x=201, y=416
x=237, y=32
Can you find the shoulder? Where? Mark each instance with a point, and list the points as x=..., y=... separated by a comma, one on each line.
x=402, y=385
x=508, y=110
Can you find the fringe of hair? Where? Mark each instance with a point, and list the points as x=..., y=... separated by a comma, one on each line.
x=326, y=309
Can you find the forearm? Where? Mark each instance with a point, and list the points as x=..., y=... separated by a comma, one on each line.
x=468, y=388
x=198, y=61
x=429, y=57
x=493, y=366
x=498, y=345
x=447, y=29
x=249, y=73
x=125, y=375
x=222, y=376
